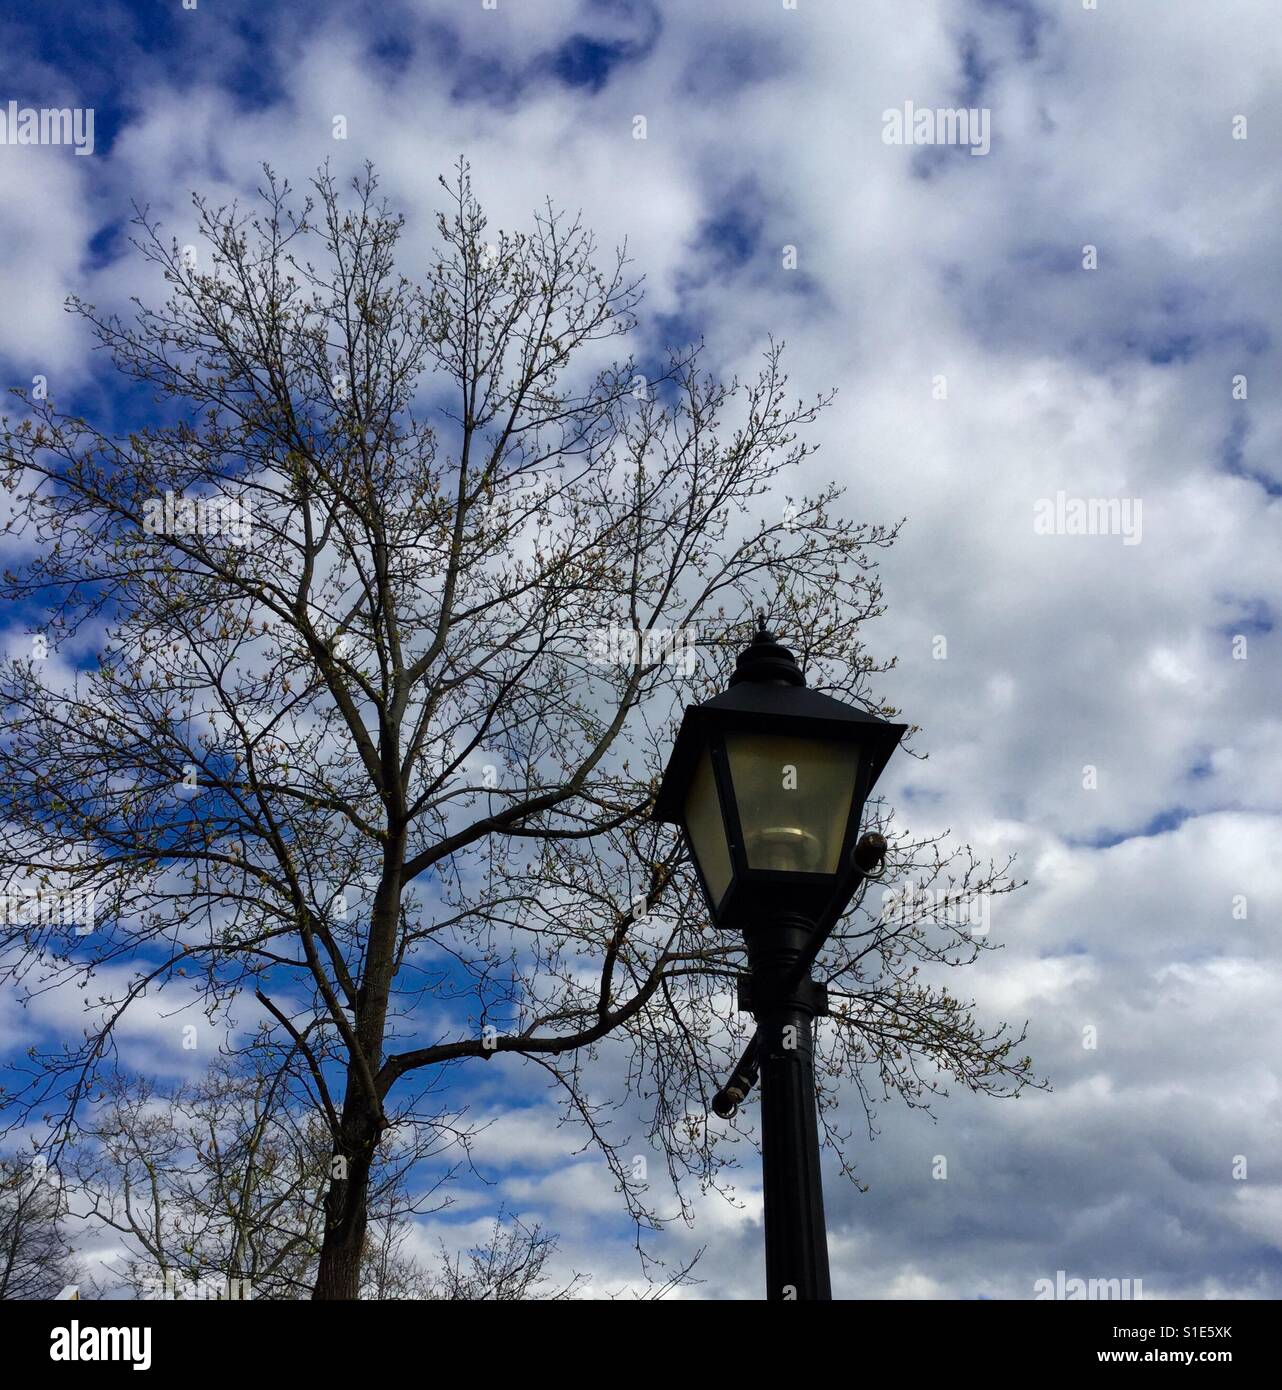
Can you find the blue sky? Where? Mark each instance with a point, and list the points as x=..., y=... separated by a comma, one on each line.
x=1112, y=128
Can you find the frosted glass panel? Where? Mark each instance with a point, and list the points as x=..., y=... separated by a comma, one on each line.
x=794, y=799
x=706, y=829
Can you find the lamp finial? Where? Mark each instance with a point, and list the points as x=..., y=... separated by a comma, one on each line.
x=766, y=659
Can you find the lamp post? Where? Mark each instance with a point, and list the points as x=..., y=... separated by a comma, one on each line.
x=768, y=782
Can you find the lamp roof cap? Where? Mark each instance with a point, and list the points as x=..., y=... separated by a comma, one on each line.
x=766, y=659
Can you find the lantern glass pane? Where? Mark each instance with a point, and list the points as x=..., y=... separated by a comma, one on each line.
x=706, y=829
x=794, y=799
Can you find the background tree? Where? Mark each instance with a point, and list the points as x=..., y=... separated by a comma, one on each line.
x=216, y=1188
x=37, y=1259
x=511, y=1266
x=379, y=628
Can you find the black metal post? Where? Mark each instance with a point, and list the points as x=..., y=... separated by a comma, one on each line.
x=870, y=860
x=785, y=1008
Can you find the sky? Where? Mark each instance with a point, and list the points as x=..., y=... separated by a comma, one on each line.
x=1083, y=311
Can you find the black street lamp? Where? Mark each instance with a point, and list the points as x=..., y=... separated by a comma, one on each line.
x=768, y=781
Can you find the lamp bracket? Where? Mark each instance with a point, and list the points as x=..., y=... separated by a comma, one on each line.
x=809, y=994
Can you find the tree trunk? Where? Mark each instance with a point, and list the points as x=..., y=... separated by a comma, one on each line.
x=347, y=1202
x=346, y=1213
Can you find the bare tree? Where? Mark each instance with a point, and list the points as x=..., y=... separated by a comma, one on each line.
x=37, y=1259
x=215, y=1189
x=379, y=629
x=510, y=1266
